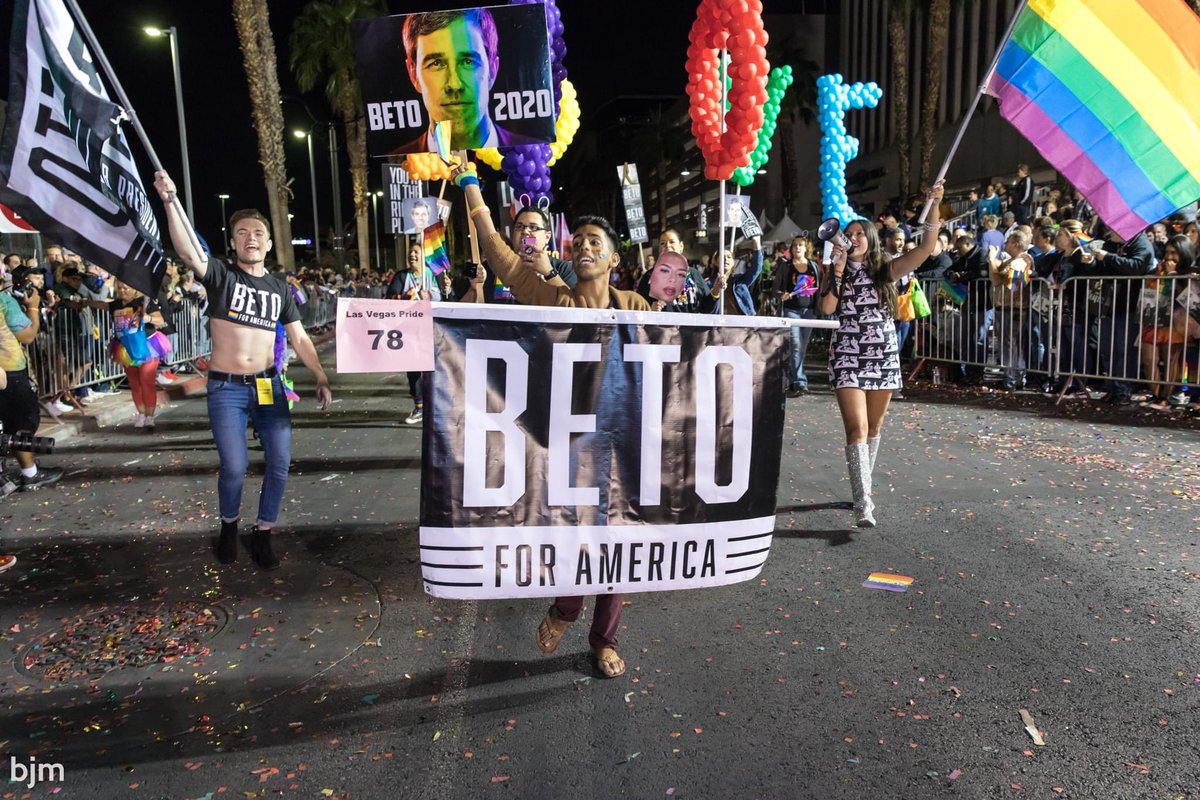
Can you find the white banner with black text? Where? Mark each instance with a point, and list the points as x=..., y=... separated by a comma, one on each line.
x=592, y=451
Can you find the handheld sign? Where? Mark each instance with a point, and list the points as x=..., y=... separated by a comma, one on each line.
x=486, y=70
x=384, y=335
x=750, y=227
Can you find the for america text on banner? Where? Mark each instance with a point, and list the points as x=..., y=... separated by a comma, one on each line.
x=573, y=451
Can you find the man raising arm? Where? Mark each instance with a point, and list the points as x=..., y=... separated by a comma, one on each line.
x=246, y=302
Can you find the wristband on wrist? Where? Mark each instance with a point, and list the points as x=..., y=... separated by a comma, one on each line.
x=463, y=179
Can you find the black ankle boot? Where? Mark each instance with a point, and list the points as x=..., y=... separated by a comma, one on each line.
x=260, y=549
x=227, y=543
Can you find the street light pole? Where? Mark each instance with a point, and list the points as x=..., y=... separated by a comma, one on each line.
x=339, y=247
x=312, y=172
x=375, y=213
x=173, y=35
x=224, y=222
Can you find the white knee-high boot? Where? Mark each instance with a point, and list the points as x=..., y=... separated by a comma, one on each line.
x=858, y=462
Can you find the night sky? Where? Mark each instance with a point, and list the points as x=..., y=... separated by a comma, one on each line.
x=607, y=55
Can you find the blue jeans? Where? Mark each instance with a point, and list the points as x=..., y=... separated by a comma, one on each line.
x=903, y=329
x=800, y=337
x=230, y=406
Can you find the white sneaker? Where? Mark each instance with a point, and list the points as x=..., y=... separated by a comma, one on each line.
x=139, y=420
x=1179, y=399
x=62, y=407
x=163, y=380
x=415, y=417
x=86, y=400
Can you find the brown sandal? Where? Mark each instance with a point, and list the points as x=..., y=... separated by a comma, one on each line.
x=609, y=663
x=550, y=632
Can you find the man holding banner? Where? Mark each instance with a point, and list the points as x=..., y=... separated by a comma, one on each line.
x=245, y=304
x=595, y=255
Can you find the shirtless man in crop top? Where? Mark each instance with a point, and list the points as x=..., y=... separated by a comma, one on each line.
x=245, y=303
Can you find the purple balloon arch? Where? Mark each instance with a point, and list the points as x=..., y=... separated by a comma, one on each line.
x=526, y=165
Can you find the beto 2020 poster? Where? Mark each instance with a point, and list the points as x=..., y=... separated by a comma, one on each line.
x=485, y=70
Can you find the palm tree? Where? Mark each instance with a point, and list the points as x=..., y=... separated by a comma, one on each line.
x=262, y=76
x=322, y=49
x=799, y=105
x=899, y=13
x=935, y=72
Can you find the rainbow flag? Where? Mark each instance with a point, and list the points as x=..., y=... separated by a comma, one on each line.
x=502, y=292
x=888, y=581
x=441, y=139
x=436, y=256
x=1018, y=276
x=954, y=292
x=1106, y=90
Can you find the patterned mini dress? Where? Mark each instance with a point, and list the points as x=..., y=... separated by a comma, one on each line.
x=864, y=352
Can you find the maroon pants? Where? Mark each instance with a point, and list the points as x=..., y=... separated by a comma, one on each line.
x=605, y=619
x=142, y=385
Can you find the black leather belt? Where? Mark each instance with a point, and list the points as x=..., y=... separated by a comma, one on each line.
x=247, y=380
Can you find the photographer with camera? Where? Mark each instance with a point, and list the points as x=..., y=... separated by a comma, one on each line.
x=19, y=413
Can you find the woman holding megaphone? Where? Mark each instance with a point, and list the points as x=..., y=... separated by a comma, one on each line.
x=864, y=355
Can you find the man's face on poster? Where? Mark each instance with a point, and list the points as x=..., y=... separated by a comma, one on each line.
x=669, y=276
x=419, y=214
x=451, y=71
x=736, y=213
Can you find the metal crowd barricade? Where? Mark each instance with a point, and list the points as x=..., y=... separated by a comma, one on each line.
x=190, y=340
x=71, y=352
x=319, y=311
x=990, y=327
x=1132, y=329
x=958, y=328
x=1128, y=329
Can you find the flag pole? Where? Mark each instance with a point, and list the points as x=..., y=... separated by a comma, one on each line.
x=962, y=129
x=721, y=210
x=127, y=107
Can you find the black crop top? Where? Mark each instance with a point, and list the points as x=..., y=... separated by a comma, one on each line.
x=244, y=299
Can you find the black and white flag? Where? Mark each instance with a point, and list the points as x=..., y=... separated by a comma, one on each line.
x=65, y=165
x=574, y=451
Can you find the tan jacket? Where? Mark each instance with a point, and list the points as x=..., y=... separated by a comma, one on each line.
x=531, y=290
x=1001, y=296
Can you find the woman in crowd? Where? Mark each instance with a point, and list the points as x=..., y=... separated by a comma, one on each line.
x=796, y=284
x=737, y=287
x=1167, y=327
x=864, y=356
x=138, y=353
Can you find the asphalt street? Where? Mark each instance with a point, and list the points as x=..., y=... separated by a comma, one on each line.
x=1055, y=552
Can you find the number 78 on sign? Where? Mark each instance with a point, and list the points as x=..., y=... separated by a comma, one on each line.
x=384, y=335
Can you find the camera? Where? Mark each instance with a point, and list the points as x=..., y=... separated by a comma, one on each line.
x=23, y=289
x=24, y=442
